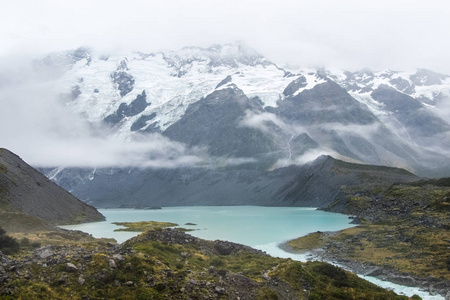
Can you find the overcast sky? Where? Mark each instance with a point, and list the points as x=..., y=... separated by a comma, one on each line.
x=400, y=34
x=351, y=35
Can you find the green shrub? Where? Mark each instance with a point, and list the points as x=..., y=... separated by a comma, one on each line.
x=35, y=244
x=8, y=245
x=217, y=262
x=25, y=242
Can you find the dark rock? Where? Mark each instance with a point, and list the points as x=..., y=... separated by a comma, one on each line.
x=142, y=122
x=222, y=111
x=356, y=220
x=220, y=290
x=62, y=279
x=225, y=81
x=124, y=81
x=71, y=268
x=294, y=86
x=418, y=122
x=137, y=106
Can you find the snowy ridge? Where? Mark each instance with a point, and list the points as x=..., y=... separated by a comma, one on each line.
x=172, y=81
x=138, y=96
x=424, y=85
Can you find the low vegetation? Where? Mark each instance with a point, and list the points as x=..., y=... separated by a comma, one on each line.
x=168, y=264
x=8, y=244
x=404, y=235
x=143, y=225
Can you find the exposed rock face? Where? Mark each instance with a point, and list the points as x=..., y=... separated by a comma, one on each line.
x=295, y=86
x=411, y=113
x=243, y=104
x=25, y=191
x=213, y=122
x=321, y=183
x=142, y=122
x=325, y=103
x=137, y=106
x=123, y=80
x=427, y=77
x=316, y=184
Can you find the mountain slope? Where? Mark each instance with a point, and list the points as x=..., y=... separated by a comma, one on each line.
x=315, y=184
x=228, y=107
x=213, y=122
x=323, y=181
x=26, y=193
x=412, y=105
x=231, y=102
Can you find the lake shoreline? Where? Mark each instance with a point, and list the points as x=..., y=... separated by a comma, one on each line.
x=364, y=270
x=242, y=226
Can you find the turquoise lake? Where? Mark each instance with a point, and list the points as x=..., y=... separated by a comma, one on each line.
x=254, y=226
x=260, y=227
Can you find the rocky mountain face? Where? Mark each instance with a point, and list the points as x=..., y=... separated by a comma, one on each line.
x=232, y=108
x=27, y=197
x=314, y=184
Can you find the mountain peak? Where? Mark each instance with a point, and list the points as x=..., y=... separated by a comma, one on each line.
x=228, y=55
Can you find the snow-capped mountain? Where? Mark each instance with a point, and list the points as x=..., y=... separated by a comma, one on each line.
x=177, y=93
x=411, y=105
x=231, y=107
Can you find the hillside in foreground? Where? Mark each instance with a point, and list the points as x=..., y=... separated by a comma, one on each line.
x=168, y=264
x=29, y=201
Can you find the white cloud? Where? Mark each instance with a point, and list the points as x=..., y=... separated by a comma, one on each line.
x=261, y=121
x=36, y=125
x=362, y=130
x=350, y=34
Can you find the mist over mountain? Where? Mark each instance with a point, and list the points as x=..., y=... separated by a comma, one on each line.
x=225, y=107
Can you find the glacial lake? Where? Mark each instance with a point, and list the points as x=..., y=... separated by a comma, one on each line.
x=255, y=226
x=260, y=227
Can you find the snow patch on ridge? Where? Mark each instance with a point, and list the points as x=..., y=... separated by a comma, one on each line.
x=311, y=81
x=265, y=82
x=172, y=82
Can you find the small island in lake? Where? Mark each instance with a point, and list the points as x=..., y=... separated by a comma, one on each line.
x=143, y=225
x=147, y=225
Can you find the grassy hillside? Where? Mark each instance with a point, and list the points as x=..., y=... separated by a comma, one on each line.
x=168, y=264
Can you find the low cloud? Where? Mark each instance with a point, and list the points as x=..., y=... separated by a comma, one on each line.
x=263, y=120
x=362, y=130
x=260, y=121
x=37, y=125
x=443, y=108
x=306, y=157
